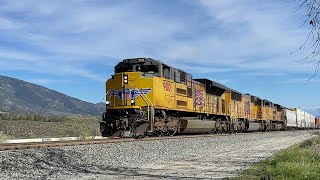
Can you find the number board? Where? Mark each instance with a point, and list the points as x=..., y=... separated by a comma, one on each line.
x=167, y=86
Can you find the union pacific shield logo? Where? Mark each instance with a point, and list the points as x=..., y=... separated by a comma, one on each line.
x=130, y=93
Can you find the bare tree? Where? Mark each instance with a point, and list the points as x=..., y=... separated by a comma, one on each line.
x=312, y=9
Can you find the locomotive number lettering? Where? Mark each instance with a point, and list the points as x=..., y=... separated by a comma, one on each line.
x=167, y=86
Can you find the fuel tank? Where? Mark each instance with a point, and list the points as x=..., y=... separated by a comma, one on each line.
x=253, y=127
x=196, y=126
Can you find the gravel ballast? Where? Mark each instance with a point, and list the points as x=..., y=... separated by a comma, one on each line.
x=212, y=157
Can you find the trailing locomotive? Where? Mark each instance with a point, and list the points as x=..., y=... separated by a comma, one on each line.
x=148, y=97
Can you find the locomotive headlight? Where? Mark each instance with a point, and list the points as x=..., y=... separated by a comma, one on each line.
x=107, y=103
x=125, y=79
x=132, y=101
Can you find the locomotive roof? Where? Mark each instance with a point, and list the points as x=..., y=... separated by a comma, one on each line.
x=144, y=59
x=213, y=83
x=137, y=60
x=212, y=87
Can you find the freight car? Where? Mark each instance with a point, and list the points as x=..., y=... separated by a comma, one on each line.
x=148, y=97
x=299, y=119
x=317, y=123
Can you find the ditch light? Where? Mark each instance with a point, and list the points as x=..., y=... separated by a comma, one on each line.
x=132, y=102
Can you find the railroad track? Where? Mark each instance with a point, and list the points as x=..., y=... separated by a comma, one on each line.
x=20, y=146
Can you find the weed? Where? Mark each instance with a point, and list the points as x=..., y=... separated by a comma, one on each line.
x=300, y=161
x=3, y=137
x=316, y=133
x=306, y=143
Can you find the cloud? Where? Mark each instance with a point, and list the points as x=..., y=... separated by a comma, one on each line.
x=7, y=24
x=52, y=68
x=258, y=37
x=223, y=36
x=17, y=55
x=45, y=81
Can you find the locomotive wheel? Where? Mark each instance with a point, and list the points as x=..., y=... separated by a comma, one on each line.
x=140, y=136
x=239, y=129
x=171, y=133
x=149, y=134
x=128, y=132
x=107, y=131
x=158, y=133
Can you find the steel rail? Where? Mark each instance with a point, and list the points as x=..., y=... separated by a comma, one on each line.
x=46, y=144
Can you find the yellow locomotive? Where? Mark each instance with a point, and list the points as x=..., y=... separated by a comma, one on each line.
x=148, y=97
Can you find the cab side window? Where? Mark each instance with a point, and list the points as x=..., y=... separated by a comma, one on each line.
x=182, y=77
x=177, y=76
x=166, y=71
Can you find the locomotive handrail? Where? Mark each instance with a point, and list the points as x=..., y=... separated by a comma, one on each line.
x=110, y=98
x=145, y=98
x=267, y=115
x=107, y=96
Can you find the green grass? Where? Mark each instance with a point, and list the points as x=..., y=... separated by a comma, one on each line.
x=300, y=161
x=81, y=127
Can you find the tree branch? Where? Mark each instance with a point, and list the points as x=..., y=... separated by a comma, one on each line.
x=312, y=8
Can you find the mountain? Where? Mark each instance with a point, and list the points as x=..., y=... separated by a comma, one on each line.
x=26, y=98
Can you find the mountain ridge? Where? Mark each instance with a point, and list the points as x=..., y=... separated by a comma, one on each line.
x=24, y=97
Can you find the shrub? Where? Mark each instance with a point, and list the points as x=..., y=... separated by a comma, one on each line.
x=79, y=126
x=300, y=161
x=2, y=137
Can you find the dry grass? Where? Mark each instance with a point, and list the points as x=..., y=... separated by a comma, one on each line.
x=78, y=126
x=81, y=127
x=3, y=137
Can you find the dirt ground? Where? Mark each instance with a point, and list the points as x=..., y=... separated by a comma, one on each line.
x=212, y=157
x=217, y=163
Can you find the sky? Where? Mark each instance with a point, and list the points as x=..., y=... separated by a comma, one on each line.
x=72, y=46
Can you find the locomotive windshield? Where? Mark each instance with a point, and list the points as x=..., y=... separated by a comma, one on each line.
x=124, y=68
x=137, y=68
x=147, y=68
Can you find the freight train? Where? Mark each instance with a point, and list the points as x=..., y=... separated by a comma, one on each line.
x=148, y=97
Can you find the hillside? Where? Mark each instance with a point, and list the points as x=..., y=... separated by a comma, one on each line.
x=22, y=97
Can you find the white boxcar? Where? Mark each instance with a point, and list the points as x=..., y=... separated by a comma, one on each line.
x=304, y=120
x=301, y=122
x=312, y=121
x=307, y=119
x=291, y=118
